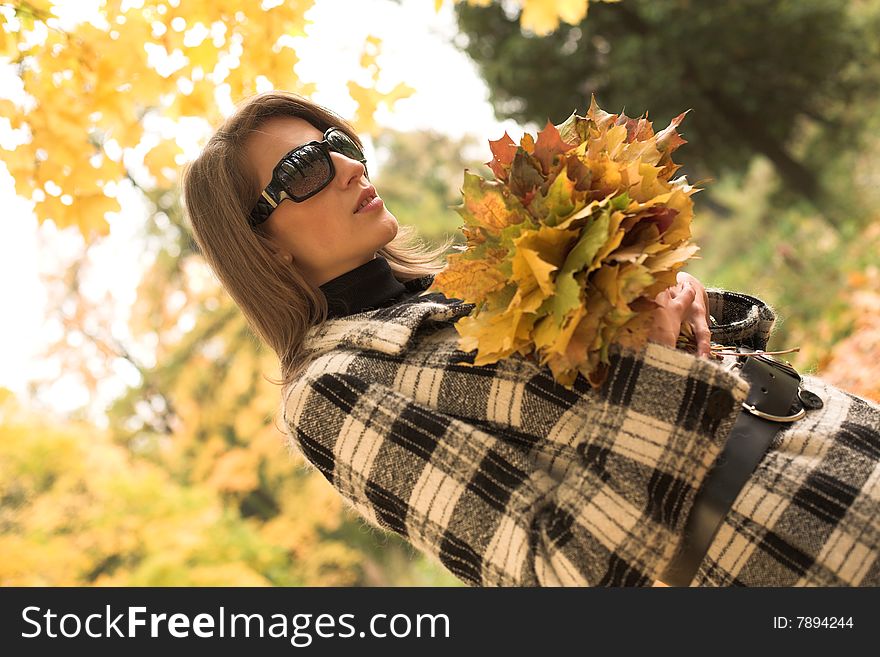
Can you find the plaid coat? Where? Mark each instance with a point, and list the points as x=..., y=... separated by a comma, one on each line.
x=509, y=479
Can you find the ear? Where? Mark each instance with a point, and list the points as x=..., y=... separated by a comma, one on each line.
x=277, y=250
x=281, y=254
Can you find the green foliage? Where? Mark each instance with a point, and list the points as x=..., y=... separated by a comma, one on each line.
x=754, y=72
x=789, y=257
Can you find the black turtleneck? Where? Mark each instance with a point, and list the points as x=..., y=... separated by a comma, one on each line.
x=370, y=286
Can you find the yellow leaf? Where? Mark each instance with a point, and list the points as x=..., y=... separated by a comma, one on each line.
x=541, y=252
x=282, y=64
x=370, y=52
x=11, y=111
x=161, y=157
x=7, y=41
x=542, y=16
x=540, y=269
x=89, y=211
x=399, y=92
x=472, y=279
x=491, y=331
x=20, y=162
x=52, y=208
x=367, y=100
x=672, y=258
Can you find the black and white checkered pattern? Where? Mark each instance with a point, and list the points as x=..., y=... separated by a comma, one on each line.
x=510, y=479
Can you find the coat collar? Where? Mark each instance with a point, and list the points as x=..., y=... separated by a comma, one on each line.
x=371, y=285
x=387, y=330
x=369, y=308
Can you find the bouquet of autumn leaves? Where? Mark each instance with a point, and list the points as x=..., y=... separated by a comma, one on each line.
x=568, y=247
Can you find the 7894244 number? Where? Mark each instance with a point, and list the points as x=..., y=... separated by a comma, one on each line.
x=812, y=622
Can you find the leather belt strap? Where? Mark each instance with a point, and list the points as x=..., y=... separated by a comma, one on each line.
x=773, y=392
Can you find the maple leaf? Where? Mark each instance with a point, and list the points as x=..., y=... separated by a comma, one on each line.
x=573, y=129
x=473, y=282
x=556, y=202
x=489, y=204
x=525, y=176
x=502, y=155
x=539, y=253
x=549, y=146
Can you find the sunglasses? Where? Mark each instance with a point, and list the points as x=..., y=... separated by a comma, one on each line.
x=304, y=172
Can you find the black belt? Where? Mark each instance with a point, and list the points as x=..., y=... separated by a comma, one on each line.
x=774, y=399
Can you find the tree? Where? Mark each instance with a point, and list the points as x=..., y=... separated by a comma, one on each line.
x=754, y=73
x=89, y=89
x=542, y=16
x=79, y=510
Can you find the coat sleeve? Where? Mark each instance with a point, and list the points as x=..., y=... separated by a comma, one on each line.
x=740, y=319
x=482, y=508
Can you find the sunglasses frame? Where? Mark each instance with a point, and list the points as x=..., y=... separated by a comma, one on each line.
x=274, y=192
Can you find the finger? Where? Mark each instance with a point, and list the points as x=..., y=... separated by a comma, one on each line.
x=687, y=297
x=706, y=305
x=704, y=337
x=667, y=294
x=678, y=288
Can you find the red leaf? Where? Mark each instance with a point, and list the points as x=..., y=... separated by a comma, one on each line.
x=550, y=144
x=503, y=151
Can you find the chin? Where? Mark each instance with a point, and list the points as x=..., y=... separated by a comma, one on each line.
x=383, y=231
x=390, y=222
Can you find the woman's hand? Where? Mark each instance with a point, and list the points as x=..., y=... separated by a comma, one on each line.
x=687, y=301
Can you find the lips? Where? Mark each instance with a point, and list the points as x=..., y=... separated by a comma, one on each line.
x=365, y=196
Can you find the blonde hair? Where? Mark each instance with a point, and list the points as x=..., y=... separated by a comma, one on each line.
x=220, y=187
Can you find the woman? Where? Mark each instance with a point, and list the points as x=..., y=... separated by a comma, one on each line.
x=502, y=475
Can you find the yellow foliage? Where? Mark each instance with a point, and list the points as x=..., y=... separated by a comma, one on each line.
x=161, y=157
x=95, y=84
x=300, y=527
x=79, y=510
x=369, y=98
x=236, y=471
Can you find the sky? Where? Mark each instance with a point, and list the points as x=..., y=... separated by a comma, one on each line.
x=450, y=98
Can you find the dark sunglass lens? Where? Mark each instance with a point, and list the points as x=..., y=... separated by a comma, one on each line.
x=343, y=144
x=304, y=171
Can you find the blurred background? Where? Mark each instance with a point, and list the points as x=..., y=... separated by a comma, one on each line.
x=138, y=437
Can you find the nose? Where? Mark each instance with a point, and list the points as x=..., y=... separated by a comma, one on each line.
x=348, y=170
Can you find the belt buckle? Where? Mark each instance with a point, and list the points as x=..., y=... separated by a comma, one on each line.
x=781, y=366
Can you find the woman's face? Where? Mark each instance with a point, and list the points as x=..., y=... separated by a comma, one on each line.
x=322, y=235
